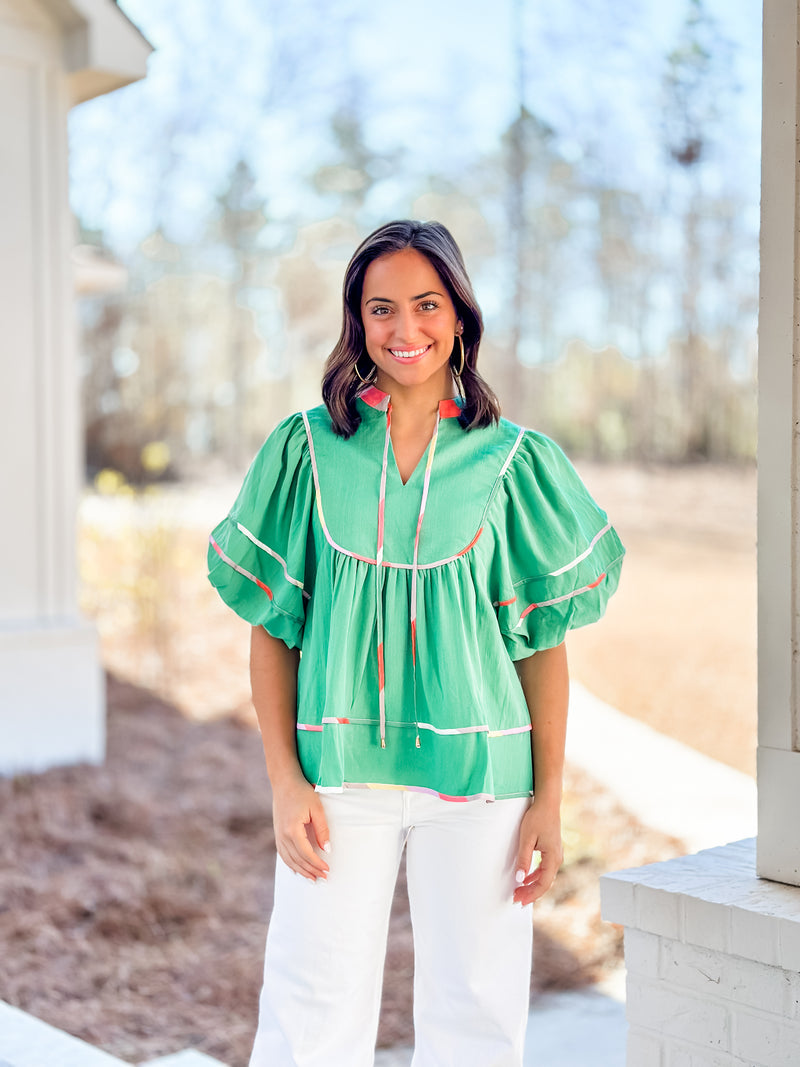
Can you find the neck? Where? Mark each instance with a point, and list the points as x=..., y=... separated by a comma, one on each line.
x=414, y=403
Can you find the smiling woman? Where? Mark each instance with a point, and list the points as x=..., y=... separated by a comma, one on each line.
x=428, y=709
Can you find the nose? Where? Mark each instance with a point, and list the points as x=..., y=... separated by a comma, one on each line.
x=404, y=326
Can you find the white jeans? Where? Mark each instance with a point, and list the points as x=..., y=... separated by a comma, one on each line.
x=326, y=944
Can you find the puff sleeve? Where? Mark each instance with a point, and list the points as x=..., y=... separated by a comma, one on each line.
x=260, y=556
x=557, y=558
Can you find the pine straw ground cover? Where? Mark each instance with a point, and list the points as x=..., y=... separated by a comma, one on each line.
x=134, y=896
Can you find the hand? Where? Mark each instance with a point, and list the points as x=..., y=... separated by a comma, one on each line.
x=540, y=832
x=299, y=820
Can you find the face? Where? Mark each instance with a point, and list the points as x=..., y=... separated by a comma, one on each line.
x=410, y=321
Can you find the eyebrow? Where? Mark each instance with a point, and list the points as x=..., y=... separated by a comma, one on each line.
x=386, y=300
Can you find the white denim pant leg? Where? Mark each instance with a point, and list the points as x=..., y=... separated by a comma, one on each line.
x=326, y=944
x=472, y=943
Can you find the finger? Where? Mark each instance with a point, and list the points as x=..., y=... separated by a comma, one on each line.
x=319, y=825
x=527, y=863
x=297, y=843
x=524, y=859
x=295, y=860
x=306, y=847
x=536, y=884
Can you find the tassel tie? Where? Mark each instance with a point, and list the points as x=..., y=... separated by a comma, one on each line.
x=414, y=570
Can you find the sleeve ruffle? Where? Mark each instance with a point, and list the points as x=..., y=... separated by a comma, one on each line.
x=259, y=555
x=558, y=559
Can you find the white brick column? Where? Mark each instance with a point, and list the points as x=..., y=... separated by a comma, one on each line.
x=52, y=704
x=713, y=955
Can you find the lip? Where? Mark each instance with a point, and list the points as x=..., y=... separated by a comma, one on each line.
x=409, y=359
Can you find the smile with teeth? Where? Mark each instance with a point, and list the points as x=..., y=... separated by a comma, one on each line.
x=412, y=353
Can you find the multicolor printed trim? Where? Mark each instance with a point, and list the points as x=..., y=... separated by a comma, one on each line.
x=559, y=599
x=366, y=559
x=271, y=551
x=414, y=567
x=376, y=398
x=238, y=569
x=318, y=497
x=416, y=789
x=332, y=720
x=378, y=561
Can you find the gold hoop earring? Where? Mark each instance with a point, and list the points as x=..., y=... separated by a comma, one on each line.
x=460, y=370
x=358, y=372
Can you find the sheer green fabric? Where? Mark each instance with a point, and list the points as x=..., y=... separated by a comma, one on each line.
x=513, y=552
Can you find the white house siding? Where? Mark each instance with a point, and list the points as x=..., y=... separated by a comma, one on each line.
x=52, y=706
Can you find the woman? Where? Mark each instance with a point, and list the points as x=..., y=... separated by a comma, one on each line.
x=419, y=550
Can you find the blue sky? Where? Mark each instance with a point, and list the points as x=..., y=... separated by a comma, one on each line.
x=433, y=82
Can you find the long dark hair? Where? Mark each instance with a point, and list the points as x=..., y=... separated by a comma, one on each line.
x=341, y=383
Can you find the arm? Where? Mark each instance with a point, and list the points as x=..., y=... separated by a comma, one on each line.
x=545, y=683
x=295, y=803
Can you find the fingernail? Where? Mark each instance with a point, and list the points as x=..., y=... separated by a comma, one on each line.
x=322, y=881
x=326, y=847
x=520, y=875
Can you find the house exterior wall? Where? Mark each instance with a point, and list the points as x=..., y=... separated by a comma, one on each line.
x=52, y=704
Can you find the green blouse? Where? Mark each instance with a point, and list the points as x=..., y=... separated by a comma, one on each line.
x=410, y=602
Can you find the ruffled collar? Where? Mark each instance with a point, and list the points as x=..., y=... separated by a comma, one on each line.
x=376, y=398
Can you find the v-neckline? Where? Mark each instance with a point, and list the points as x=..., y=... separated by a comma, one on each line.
x=420, y=462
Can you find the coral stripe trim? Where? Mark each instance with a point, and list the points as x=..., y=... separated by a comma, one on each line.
x=376, y=398
x=238, y=569
x=385, y=562
x=559, y=599
x=271, y=551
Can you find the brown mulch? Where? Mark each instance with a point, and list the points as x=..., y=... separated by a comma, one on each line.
x=134, y=896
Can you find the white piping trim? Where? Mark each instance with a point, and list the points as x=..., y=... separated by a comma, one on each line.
x=558, y=599
x=315, y=472
x=386, y=562
x=239, y=570
x=448, y=797
x=583, y=555
x=330, y=720
x=260, y=544
x=510, y=456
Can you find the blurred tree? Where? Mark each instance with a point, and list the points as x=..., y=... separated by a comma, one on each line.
x=695, y=80
x=242, y=217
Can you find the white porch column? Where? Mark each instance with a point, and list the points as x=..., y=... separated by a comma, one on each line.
x=712, y=950
x=52, y=703
x=779, y=411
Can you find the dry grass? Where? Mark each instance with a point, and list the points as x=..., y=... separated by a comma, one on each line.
x=134, y=897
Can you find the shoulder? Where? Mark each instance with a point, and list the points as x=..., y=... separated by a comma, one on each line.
x=535, y=451
x=284, y=451
x=539, y=472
